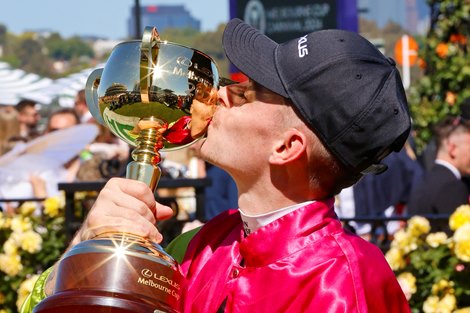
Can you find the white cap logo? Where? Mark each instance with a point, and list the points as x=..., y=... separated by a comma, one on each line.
x=302, y=46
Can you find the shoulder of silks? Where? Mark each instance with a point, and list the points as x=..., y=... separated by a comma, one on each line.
x=178, y=246
x=37, y=294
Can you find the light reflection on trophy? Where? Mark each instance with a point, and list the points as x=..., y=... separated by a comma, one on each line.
x=155, y=95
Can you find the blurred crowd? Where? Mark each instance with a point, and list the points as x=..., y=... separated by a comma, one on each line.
x=432, y=183
x=38, y=151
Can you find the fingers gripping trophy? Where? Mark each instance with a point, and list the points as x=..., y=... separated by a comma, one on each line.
x=156, y=96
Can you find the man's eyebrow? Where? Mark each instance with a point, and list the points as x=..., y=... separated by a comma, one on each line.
x=254, y=85
x=258, y=87
x=238, y=87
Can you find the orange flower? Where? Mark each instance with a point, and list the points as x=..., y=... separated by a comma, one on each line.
x=450, y=97
x=421, y=63
x=442, y=49
x=458, y=38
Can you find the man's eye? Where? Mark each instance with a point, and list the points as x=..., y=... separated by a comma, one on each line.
x=241, y=95
x=238, y=94
x=239, y=98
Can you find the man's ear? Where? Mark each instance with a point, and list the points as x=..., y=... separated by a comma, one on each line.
x=450, y=146
x=289, y=148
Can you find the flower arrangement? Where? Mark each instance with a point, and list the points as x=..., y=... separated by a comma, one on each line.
x=30, y=243
x=433, y=269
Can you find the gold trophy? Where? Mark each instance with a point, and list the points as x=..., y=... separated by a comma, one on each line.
x=155, y=95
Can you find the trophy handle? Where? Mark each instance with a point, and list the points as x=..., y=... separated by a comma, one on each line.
x=147, y=60
x=91, y=94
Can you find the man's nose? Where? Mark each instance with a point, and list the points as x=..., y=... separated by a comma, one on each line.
x=222, y=97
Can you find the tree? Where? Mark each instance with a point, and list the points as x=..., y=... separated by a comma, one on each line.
x=67, y=49
x=446, y=61
x=211, y=43
x=3, y=34
x=207, y=42
x=32, y=58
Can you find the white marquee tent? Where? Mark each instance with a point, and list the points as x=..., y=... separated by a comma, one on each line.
x=16, y=84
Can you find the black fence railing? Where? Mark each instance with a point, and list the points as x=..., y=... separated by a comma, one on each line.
x=74, y=216
x=379, y=234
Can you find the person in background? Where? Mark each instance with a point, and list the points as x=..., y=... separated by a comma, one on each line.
x=377, y=196
x=81, y=107
x=316, y=114
x=9, y=133
x=221, y=195
x=59, y=119
x=9, y=128
x=35, y=172
x=106, y=156
x=95, y=162
x=442, y=189
x=465, y=114
x=28, y=118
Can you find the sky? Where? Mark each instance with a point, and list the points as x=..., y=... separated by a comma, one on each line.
x=103, y=18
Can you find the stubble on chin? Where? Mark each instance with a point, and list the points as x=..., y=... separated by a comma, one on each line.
x=207, y=153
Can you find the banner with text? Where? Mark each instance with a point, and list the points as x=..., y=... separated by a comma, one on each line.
x=284, y=20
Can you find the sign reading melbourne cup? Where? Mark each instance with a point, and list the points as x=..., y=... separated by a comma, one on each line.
x=155, y=95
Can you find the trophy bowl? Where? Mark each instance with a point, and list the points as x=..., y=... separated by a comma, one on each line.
x=154, y=79
x=155, y=95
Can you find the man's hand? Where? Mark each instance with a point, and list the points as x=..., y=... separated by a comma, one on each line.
x=124, y=205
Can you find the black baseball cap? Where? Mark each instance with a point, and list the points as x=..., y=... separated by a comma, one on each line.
x=341, y=85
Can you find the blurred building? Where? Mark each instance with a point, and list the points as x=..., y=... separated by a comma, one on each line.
x=412, y=15
x=103, y=46
x=163, y=17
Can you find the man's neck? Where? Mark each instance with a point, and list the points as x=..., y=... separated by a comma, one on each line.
x=251, y=223
x=266, y=201
x=260, y=194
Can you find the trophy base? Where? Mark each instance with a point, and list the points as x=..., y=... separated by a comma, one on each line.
x=115, y=273
x=80, y=301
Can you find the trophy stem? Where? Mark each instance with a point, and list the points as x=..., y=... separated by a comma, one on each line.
x=146, y=155
x=121, y=272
